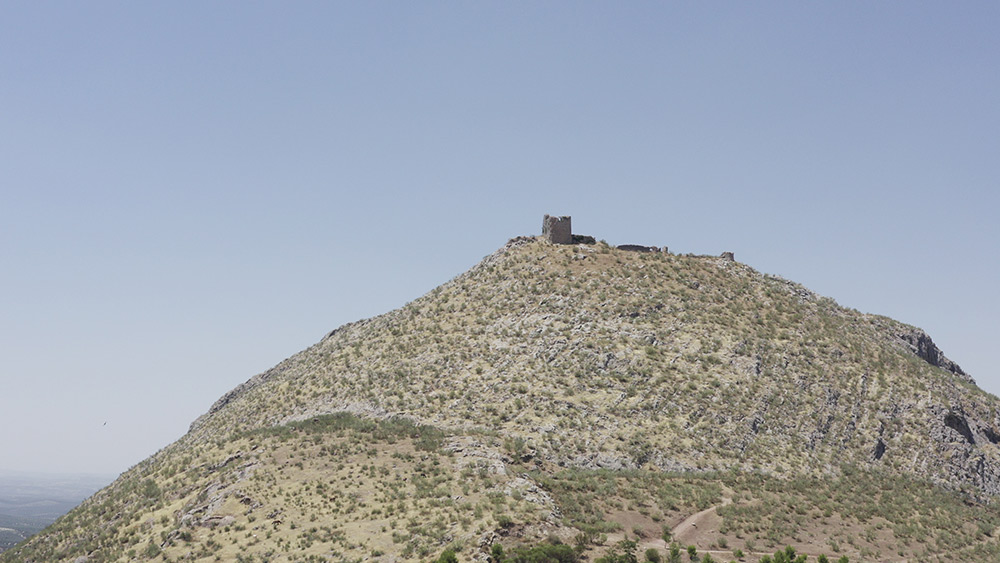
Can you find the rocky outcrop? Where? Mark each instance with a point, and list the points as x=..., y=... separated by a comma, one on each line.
x=638, y=248
x=920, y=344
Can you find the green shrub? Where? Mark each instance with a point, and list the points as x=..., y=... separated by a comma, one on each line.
x=152, y=550
x=543, y=553
x=150, y=489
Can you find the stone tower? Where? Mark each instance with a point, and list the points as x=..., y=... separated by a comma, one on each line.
x=557, y=230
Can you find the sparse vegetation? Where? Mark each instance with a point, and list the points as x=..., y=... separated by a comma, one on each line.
x=602, y=394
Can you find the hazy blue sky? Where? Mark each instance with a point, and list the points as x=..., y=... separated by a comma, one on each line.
x=192, y=191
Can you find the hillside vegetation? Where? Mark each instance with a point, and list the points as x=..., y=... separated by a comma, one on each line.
x=580, y=395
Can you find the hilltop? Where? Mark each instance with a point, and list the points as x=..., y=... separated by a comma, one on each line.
x=577, y=393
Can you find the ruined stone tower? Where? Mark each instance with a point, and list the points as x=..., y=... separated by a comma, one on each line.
x=557, y=230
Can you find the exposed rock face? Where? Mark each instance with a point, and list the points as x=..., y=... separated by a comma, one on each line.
x=921, y=344
x=958, y=423
x=965, y=443
x=879, y=450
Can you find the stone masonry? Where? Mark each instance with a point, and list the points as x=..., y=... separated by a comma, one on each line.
x=557, y=230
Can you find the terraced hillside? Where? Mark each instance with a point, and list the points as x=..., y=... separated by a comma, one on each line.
x=580, y=394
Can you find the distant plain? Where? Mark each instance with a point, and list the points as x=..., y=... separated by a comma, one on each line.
x=30, y=502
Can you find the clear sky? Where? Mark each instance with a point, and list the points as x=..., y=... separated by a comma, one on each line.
x=192, y=191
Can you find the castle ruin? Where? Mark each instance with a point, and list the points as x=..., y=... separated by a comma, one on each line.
x=557, y=230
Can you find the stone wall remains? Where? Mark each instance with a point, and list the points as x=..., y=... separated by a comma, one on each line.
x=557, y=230
x=639, y=248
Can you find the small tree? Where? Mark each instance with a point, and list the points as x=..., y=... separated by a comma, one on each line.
x=653, y=555
x=448, y=556
x=675, y=553
x=628, y=548
x=692, y=552
x=622, y=552
x=496, y=553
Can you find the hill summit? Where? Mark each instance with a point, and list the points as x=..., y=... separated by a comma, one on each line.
x=570, y=391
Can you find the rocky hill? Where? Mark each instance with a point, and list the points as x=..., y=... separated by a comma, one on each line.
x=580, y=394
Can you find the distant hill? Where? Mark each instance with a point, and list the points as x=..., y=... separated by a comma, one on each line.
x=579, y=394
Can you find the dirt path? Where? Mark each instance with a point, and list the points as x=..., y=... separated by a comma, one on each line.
x=688, y=528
